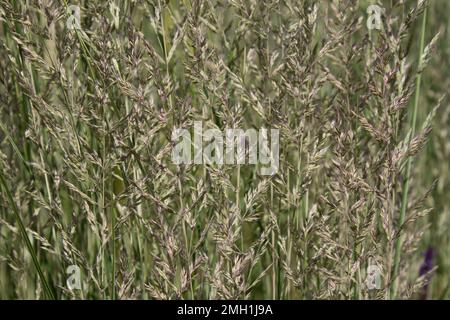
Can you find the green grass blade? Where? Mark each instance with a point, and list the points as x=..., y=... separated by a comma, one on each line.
x=47, y=290
x=404, y=203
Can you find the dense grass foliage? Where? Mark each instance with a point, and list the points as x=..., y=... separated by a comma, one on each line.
x=87, y=179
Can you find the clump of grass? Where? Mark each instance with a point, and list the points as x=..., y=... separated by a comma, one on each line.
x=85, y=150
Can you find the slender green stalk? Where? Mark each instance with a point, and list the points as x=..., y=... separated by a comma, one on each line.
x=404, y=203
x=47, y=290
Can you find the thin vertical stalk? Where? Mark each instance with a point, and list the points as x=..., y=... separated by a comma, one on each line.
x=47, y=290
x=404, y=203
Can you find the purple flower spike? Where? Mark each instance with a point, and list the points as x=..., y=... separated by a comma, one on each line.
x=426, y=267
